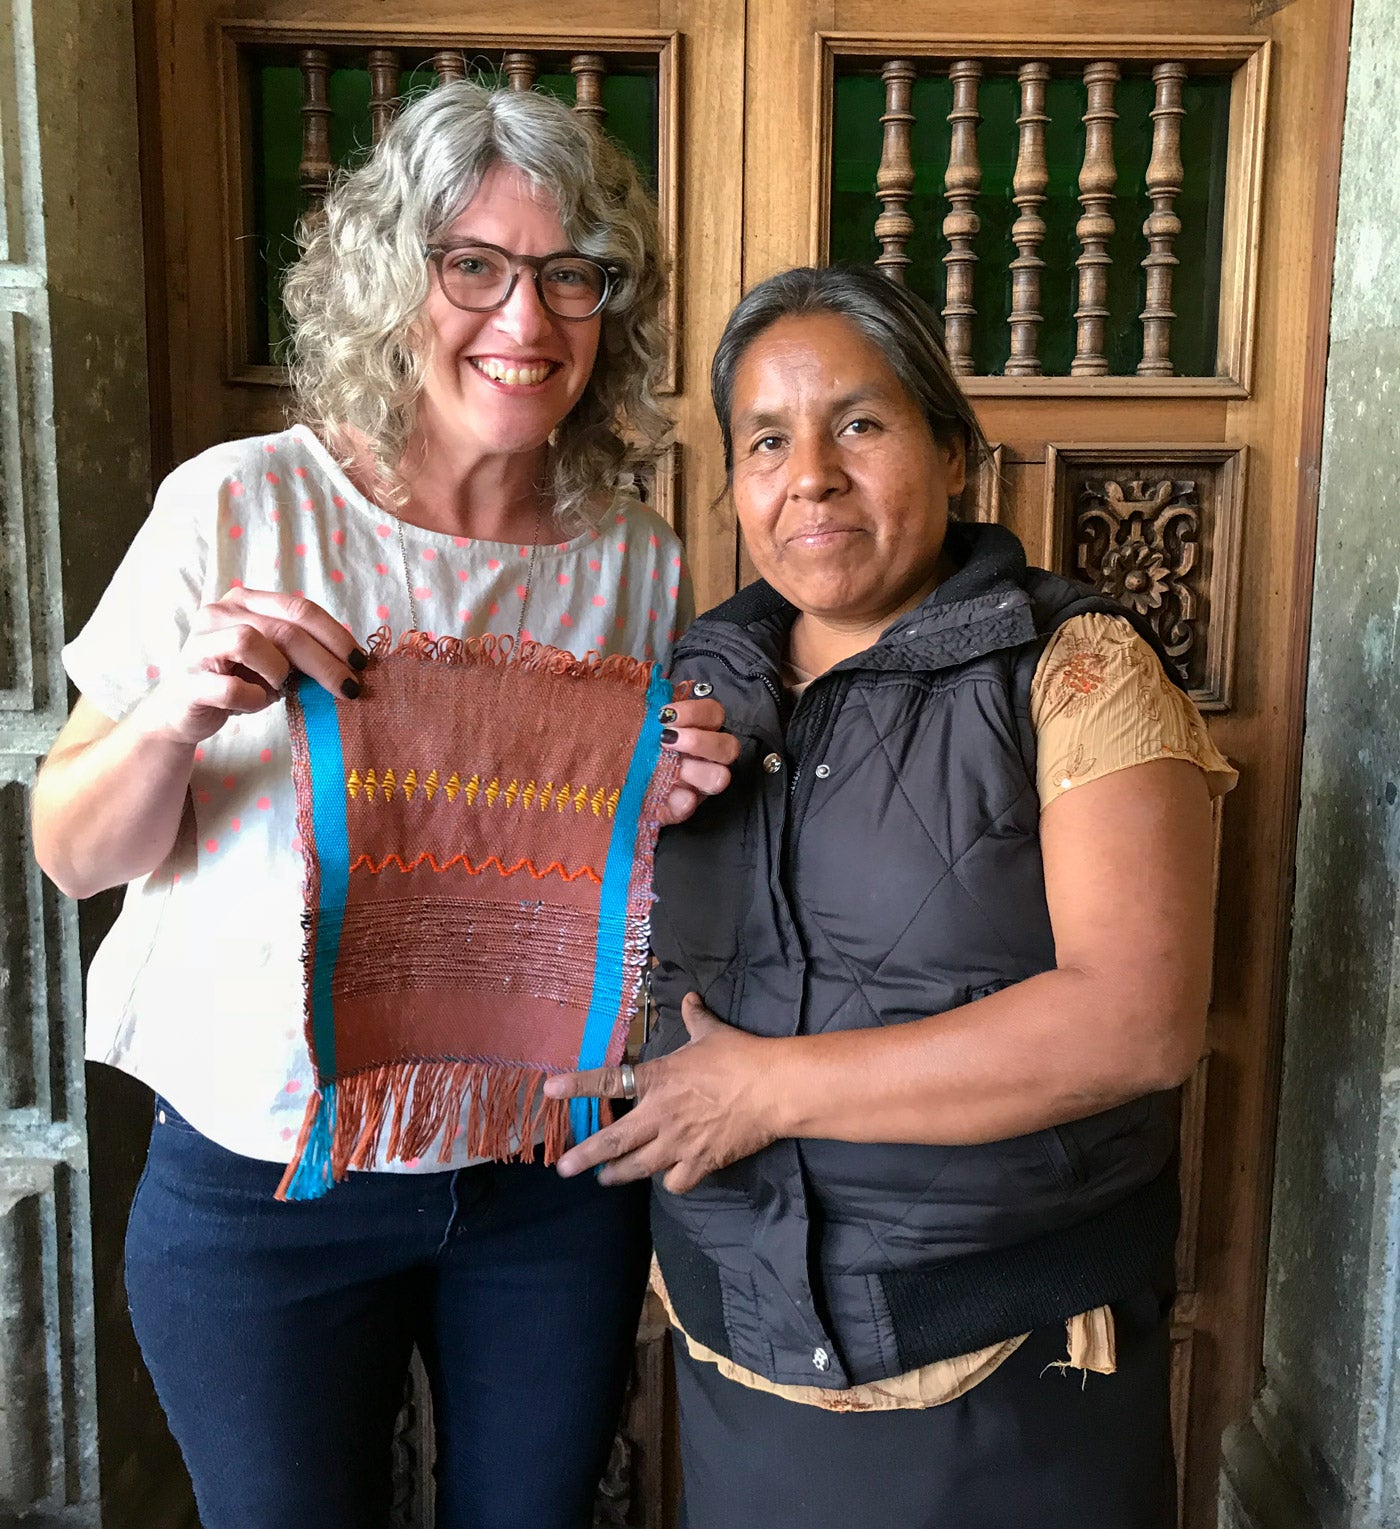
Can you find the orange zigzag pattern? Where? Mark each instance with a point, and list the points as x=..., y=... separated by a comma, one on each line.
x=366, y=862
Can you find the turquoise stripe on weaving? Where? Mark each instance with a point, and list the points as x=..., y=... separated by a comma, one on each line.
x=608, y=959
x=328, y=814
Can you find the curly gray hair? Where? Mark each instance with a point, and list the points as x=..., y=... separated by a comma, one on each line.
x=355, y=295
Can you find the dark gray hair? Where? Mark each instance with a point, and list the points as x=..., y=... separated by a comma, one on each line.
x=902, y=326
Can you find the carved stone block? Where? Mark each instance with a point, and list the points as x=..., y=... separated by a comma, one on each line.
x=1157, y=527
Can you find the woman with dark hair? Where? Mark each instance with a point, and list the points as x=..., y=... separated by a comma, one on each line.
x=476, y=351
x=911, y=1105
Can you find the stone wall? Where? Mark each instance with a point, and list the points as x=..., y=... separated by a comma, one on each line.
x=1322, y=1448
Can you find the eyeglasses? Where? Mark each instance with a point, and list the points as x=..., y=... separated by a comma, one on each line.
x=481, y=278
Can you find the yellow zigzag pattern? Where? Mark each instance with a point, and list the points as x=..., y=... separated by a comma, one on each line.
x=372, y=785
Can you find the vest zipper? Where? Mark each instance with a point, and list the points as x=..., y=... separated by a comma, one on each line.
x=741, y=674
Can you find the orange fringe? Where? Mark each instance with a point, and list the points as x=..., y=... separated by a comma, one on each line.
x=532, y=657
x=421, y=1102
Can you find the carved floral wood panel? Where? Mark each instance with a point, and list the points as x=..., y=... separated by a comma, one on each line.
x=1157, y=528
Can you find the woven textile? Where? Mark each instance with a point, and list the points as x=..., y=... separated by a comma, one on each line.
x=478, y=828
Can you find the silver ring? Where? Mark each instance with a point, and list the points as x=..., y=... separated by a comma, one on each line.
x=628, y=1077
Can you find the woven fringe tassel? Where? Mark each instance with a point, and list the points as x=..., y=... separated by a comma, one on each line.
x=419, y=1103
x=308, y=1175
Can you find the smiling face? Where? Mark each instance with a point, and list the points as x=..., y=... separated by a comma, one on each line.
x=500, y=382
x=840, y=487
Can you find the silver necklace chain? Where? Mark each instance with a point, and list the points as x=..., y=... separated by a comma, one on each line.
x=529, y=574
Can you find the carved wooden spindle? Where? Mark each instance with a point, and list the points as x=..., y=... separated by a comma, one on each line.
x=383, y=89
x=1028, y=188
x=589, y=71
x=1164, y=176
x=315, y=167
x=962, y=183
x=894, y=180
x=449, y=65
x=1097, y=180
x=520, y=70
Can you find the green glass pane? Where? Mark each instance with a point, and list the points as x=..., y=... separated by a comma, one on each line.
x=275, y=88
x=856, y=144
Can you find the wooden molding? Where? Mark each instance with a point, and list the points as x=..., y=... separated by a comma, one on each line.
x=1157, y=526
x=981, y=500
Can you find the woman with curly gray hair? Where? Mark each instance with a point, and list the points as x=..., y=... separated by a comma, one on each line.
x=476, y=345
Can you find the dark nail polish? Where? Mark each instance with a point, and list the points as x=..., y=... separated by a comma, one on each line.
x=357, y=659
x=669, y=735
x=668, y=714
x=349, y=689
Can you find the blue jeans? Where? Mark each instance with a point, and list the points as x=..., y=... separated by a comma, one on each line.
x=279, y=1335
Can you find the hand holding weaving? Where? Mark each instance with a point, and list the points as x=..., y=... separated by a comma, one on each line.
x=698, y=1109
x=478, y=830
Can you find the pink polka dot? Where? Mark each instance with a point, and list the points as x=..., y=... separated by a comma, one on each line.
x=235, y=532
x=620, y=520
x=337, y=501
x=654, y=539
x=524, y=552
x=461, y=541
x=595, y=565
x=300, y=549
x=265, y=755
x=495, y=608
x=235, y=490
x=412, y=1162
x=622, y=546
x=560, y=546
x=525, y=635
x=619, y=619
x=202, y=797
x=277, y=562
x=563, y=578
x=297, y=845
x=198, y=754
x=674, y=590
x=338, y=537
x=212, y=845
x=229, y=782
x=594, y=535
x=152, y=671
x=264, y=802
x=656, y=573
x=272, y=478
x=428, y=554
x=463, y=575
x=522, y=590
x=293, y=1085
x=269, y=447
x=337, y=577
x=175, y=879
x=235, y=583
x=652, y=616
x=383, y=531
x=382, y=611
x=300, y=472
x=422, y=592
x=235, y=824
x=274, y=516
x=599, y=600
x=308, y=504
x=649, y=651
x=566, y=619
x=465, y=614
x=381, y=569
x=676, y=562
x=287, y=1133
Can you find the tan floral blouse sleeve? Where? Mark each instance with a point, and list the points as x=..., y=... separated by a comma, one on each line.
x=1100, y=702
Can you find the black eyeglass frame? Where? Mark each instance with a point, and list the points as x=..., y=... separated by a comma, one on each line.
x=535, y=264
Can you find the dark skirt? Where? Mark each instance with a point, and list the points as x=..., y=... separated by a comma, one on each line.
x=1032, y=1447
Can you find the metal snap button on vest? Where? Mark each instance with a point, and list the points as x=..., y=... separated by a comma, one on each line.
x=773, y=763
x=823, y=771
x=821, y=1360
x=702, y=688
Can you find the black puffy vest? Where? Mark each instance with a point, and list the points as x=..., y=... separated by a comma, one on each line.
x=877, y=859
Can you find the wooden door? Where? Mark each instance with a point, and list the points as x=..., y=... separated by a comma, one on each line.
x=1125, y=215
